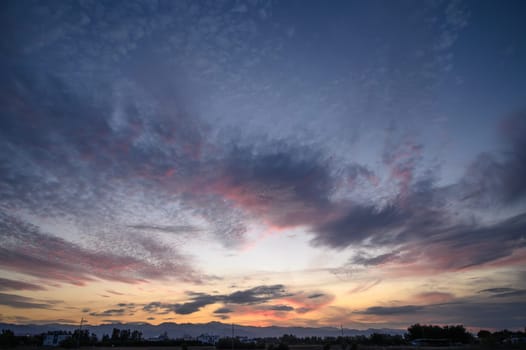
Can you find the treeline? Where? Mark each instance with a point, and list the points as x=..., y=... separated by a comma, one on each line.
x=453, y=334
x=505, y=336
x=417, y=334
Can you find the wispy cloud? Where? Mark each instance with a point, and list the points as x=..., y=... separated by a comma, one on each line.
x=392, y=310
x=21, y=302
x=27, y=248
x=7, y=284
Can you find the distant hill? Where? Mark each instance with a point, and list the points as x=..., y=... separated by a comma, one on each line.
x=179, y=330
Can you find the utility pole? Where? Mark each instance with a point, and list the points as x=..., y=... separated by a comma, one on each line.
x=232, y=336
x=343, y=345
x=82, y=320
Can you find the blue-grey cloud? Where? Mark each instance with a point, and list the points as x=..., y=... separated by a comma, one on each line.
x=316, y=295
x=223, y=310
x=286, y=308
x=166, y=229
x=110, y=312
x=7, y=284
x=26, y=250
x=504, y=292
x=113, y=111
x=376, y=260
x=253, y=296
x=500, y=177
x=497, y=290
x=392, y=310
x=21, y=302
x=358, y=224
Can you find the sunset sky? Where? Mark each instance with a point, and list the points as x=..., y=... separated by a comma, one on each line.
x=307, y=163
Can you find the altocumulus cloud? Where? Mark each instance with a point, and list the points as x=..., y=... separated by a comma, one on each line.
x=135, y=146
x=26, y=250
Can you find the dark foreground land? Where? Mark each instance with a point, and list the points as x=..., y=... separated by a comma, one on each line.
x=296, y=347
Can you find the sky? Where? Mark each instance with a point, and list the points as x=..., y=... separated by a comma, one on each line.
x=295, y=163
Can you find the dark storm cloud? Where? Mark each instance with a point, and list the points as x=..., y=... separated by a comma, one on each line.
x=21, y=302
x=7, y=284
x=26, y=250
x=252, y=296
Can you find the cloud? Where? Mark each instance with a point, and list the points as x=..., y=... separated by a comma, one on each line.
x=26, y=250
x=113, y=292
x=499, y=177
x=497, y=290
x=284, y=185
x=365, y=286
x=374, y=261
x=278, y=308
x=304, y=302
x=504, y=292
x=257, y=295
x=392, y=310
x=157, y=307
x=21, y=302
x=477, y=310
x=195, y=305
x=253, y=296
x=434, y=297
x=7, y=284
x=223, y=310
x=166, y=229
x=359, y=223
x=98, y=138
x=316, y=295
x=424, y=236
x=111, y=312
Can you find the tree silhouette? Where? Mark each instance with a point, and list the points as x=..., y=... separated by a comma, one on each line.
x=7, y=339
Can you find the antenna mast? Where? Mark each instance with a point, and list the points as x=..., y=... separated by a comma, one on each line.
x=232, y=336
x=82, y=320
